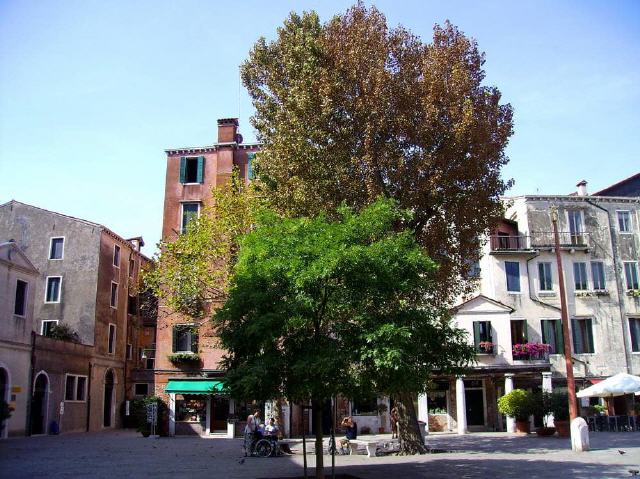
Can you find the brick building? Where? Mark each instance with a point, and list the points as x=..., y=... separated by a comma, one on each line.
x=88, y=283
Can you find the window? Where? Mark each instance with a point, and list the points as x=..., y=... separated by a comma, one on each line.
x=132, y=267
x=631, y=274
x=576, y=228
x=518, y=331
x=20, y=304
x=580, y=281
x=624, y=221
x=634, y=330
x=597, y=275
x=75, y=388
x=544, y=275
x=185, y=339
x=141, y=389
x=189, y=212
x=149, y=363
x=112, y=339
x=192, y=169
x=513, y=276
x=132, y=305
x=582, y=330
x=52, y=293
x=114, y=295
x=482, y=336
x=116, y=255
x=47, y=326
x=251, y=174
x=129, y=351
x=552, y=335
x=56, y=248
x=364, y=406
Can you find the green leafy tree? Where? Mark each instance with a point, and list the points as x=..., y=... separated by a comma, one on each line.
x=320, y=307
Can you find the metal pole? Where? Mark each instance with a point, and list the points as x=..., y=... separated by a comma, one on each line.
x=571, y=385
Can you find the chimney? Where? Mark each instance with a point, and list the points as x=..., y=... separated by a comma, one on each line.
x=136, y=242
x=227, y=130
x=582, y=188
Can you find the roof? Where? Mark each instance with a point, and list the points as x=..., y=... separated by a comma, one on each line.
x=25, y=263
x=622, y=185
x=80, y=220
x=483, y=298
x=211, y=148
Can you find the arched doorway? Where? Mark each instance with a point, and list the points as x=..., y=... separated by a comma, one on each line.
x=39, y=402
x=109, y=389
x=4, y=395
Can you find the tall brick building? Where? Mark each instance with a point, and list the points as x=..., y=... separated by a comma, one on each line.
x=191, y=388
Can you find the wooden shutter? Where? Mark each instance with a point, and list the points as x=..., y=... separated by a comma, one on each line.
x=183, y=170
x=577, y=347
x=250, y=172
x=200, y=169
x=194, y=340
x=476, y=333
x=559, y=337
x=175, y=339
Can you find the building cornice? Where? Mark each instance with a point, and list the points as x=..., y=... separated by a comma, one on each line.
x=575, y=198
x=185, y=150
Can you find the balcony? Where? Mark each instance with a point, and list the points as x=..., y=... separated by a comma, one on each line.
x=568, y=240
x=534, y=352
x=503, y=244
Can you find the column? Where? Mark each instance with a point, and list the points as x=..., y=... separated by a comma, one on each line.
x=423, y=411
x=461, y=406
x=547, y=388
x=207, y=421
x=508, y=387
x=172, y=414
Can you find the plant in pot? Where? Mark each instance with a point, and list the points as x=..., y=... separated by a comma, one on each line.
x=381, y=408
x=518, y=404
x=559, y=407
x=543, y=409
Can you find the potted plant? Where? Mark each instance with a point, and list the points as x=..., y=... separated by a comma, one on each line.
x=381, y=408
x=543, y=403
x=518, y=404
x=559, y=407
x=185, y=359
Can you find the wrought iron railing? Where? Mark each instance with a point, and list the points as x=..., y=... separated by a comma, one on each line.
x=566, y=239
x=509, y=243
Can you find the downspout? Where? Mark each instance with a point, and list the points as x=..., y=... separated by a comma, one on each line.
x=614, y=249
x=32, y=371
x=89, y=395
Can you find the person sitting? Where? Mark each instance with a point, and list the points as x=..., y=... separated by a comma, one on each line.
x=272, y=429
x=351, y=431
x=260, y=431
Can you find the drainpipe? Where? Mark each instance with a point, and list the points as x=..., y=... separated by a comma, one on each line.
x=614, y=249
x=89, y=395
x=31, y=375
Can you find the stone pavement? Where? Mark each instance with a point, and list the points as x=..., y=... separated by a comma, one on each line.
x=495, y=455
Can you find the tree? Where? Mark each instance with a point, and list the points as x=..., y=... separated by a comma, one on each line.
x=351, y=109
x=320, y=307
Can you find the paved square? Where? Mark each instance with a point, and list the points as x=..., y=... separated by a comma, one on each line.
x=481, y=455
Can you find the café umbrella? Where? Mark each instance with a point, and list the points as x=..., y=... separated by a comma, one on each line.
x=618, y=385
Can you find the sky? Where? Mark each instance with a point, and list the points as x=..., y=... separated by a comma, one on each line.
x=93, y=92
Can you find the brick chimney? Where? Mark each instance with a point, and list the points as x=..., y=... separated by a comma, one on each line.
x=227, y=130
x=582, y=188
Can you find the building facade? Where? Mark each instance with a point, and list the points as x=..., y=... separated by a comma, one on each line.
x=514, y=320
x=87, y=289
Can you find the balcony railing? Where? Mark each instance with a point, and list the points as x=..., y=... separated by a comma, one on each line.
x=507, y=244
x=545, y=239
x=530, y=352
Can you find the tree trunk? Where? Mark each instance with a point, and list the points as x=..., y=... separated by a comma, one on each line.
x=408, y=427
x=317, y=421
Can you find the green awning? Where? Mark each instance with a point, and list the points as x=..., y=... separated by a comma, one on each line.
x=193, y=386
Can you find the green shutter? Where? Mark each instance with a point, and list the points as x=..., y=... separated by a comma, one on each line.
x=574, y=336
x=175, y=339
x=589, y=328
x=194, y=340
x=183, y=170
x=476, y=333
x=559, y=336
x=250, y=171
x=201, y=169
x=525, y=331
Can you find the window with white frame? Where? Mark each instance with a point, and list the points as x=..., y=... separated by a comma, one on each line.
x=631, y=274
x=20, y=302
x=132, y=267
x=624, y=221
x=114, y=295
x=141, y=389
x=190, y=211
x=580, y=280
x=116, y=255
x=47, y=326
x=111, y=346
x=597, y=276
x=552, y=335
x=75, y=388
x=53, y=289
x=185, y=338
x=582, y=329
x=544, y=276
x=634, y=331
x=56, y=248
x=512, y=270
x=191, y=169
x=576, y=226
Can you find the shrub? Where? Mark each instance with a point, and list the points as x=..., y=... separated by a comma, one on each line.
x=138, y=410
x=559, y=405
x=64, y=332
x=184, y=358
x=519, y=404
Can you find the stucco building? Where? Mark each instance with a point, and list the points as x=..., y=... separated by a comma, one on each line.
x=514, y=320
x=88, y=283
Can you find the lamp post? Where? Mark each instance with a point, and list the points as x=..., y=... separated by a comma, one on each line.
x=566, y=338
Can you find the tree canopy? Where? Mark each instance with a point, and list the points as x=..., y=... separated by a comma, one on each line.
x=351, y=109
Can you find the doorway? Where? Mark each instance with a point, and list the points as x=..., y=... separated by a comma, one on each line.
x=474, y=399
x=219, y=413
x=326, y=418
x=39, y=402
x=109, y=382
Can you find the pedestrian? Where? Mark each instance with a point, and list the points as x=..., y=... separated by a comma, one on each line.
x=250, y=431
x=351, y=431
x=394, y=423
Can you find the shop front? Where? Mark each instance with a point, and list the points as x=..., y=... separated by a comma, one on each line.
x=198, y=407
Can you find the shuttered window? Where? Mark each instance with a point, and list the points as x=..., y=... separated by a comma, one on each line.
x=192, y=169
x=552, y=335
x=185, y=339
x=582, y=330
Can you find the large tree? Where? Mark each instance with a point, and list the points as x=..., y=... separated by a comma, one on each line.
x=351, y=109
x=320, y=307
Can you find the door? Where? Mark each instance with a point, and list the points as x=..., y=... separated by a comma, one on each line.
x=219, y=413
x=39, y=405
x=108, y=399
x=326, y=418
x=475, y=407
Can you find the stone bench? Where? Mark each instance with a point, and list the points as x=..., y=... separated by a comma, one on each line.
x=371, y=446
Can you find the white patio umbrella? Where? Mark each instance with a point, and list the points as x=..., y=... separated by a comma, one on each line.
x=618, y=385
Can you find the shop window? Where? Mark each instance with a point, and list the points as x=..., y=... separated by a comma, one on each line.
x=190, y=408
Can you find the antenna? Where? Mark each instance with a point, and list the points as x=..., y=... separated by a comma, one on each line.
x=239, y=83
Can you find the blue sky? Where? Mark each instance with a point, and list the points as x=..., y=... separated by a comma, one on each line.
x=92, y=92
